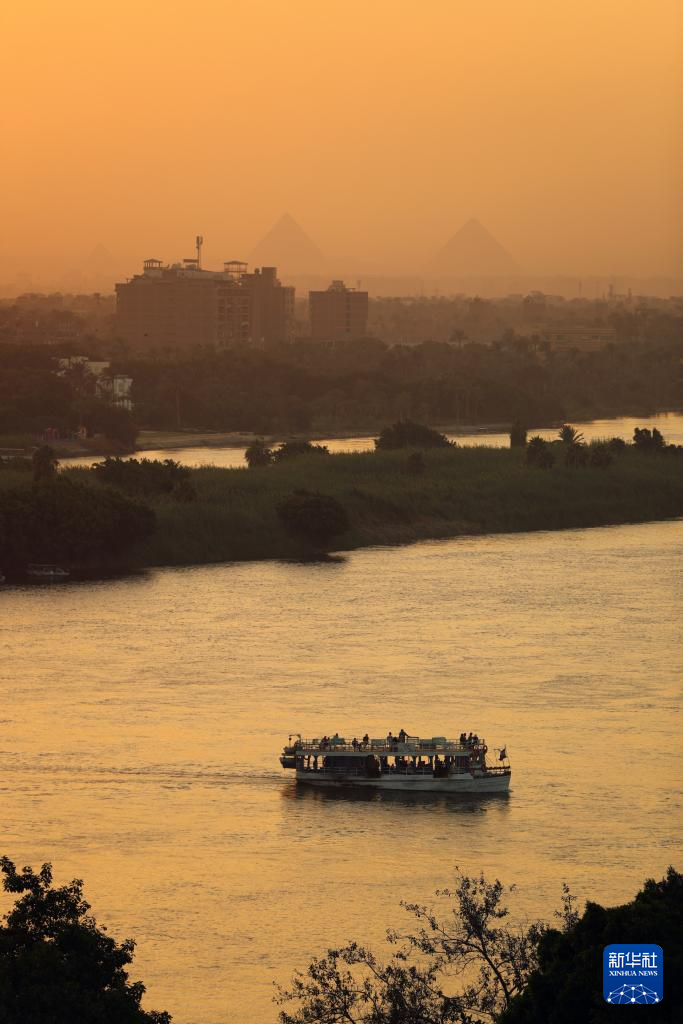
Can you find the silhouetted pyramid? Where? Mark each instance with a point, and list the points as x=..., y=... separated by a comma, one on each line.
x=473, y=251
x=288, y=247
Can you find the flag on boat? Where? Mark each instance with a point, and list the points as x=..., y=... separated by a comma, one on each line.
x=503, y=754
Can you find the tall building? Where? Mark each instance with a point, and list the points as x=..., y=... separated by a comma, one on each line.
x=183, y=305
x=337, y=313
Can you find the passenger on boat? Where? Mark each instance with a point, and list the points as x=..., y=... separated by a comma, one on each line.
x=390, y=739
x=366, y=740
x=354, y=743
x=402, y=736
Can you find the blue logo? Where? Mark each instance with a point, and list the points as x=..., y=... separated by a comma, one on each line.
x=633, y=972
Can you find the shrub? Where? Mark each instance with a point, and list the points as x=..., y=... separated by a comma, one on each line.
x=600, y=456
x=315, y=517
x=575, y=455
x=62, y=520
x=406, y=434
x=290, y=449
x=258, y=454
x=141, y=476
x=539, y=454
x=648, y=441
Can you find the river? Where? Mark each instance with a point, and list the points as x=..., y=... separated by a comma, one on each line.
x=142, y=720
x=670, y=425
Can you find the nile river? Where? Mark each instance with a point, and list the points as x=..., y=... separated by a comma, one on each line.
x=142, y=719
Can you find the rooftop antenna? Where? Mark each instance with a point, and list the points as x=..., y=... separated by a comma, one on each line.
x=199, y=241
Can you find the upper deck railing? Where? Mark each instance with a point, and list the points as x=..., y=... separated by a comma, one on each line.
x=384, y=746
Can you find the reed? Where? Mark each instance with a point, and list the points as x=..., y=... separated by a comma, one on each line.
x=462, y=491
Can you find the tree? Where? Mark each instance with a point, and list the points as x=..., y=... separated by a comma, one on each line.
x=406, y=434
x=569, y=435
x=291, y=449
x=258, y=454
x=566, y=986
x=45, y=463
x=539, y=454
x=648, y=441
x=517, y=435
x=473, y=942
x=315, y=517
x=64, y=520
x=56, y=965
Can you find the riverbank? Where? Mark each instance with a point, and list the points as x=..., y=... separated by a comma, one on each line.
x=462, y=491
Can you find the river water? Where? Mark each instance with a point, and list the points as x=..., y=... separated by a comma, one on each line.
x=142, y=718
x=670, y=425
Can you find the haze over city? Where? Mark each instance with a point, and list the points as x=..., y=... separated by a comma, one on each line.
x=381, y=131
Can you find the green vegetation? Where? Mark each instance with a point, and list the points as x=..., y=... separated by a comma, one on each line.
x=466, y=962
x=63, y=519
x=296, y=507
x=406, y=434
x=56, y=965
x=456, y=491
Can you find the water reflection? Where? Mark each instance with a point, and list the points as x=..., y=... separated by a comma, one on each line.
x=452, y=803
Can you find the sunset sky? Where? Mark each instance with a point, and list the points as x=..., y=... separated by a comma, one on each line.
x=380, y=125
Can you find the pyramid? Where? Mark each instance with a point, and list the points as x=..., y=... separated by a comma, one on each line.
x=473, y=251
x=288, y=247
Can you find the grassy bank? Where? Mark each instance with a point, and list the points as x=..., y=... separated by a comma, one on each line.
x=462, y=491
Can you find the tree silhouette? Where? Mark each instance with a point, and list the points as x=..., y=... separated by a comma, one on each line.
x=471, y=941
x=258, y=454
x=517, y=435
x=45, y=463
x=569, y=435
x=56, y=965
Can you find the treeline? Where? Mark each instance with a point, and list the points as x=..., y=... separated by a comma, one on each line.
x=363, y=384
x=37, y=395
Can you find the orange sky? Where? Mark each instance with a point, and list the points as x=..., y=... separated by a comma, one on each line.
x=381, y=125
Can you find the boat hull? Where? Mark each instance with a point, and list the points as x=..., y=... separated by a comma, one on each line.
x=462, y=783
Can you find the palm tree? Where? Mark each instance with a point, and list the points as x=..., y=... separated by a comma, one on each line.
x=569, y=435
x=45, y=463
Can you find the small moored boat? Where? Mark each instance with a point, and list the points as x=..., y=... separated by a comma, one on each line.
x=400, y=762
x=38, y=571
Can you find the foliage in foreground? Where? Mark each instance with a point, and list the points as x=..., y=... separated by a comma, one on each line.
x=57, y=966
x=470, y=965
x=61, y=519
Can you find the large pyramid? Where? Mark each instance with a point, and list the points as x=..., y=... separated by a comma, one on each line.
x=473, y=252
x=288, y=247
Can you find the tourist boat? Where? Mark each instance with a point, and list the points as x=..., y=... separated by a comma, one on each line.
x=46, y=572
x=409, y=763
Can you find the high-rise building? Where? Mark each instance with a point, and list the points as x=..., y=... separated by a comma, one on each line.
x=183, y=305
x=339, y=312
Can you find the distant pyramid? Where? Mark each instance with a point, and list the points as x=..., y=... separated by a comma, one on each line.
x=473, y=252
x=288, y=247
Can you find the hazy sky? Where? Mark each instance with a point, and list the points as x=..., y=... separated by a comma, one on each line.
x=380, y=125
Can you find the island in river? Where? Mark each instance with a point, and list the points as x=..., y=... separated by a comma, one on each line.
x=386, y=497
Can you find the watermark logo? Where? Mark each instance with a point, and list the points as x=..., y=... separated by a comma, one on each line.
x=633, y=972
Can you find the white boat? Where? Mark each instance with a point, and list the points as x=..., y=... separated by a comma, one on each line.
x=409, y=763
x=46, y=572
